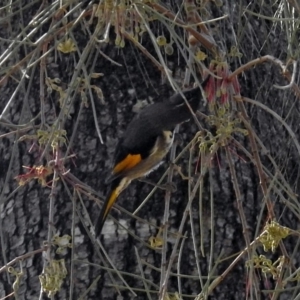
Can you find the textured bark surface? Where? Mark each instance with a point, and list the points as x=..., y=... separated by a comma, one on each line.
x=24, y=213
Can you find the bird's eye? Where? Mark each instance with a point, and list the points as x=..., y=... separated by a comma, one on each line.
x=169, y=134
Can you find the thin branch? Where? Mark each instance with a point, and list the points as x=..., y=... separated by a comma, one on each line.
x=22, y=257
x=278, y=118
x=263, y=59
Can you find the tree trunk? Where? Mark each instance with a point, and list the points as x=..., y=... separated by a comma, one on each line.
x=53, y=183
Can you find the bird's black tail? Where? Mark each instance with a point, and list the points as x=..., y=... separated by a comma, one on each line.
x=107, y=205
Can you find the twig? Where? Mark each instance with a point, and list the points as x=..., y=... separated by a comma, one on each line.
x=163, y=275
x=146, y=53
x=157, y=50
x=22, y=257
x=209, y=45
x=9, y=295
x=262, y=59
x=46, y=38
x=240, y=209
x=254, y=62
x=277, y=117
x=261, y=174
x=100, y=245
x=295, y=4
x=180, y=230
x=72, y=86
x=10, y=101
x=212, y=228
x=87, y=78
x=42, y=85
x=129, y=274
x=165, y=174
x=72, y=271
x=179, y=266
x=292, y=79
x=139, y=262
x=220, y=278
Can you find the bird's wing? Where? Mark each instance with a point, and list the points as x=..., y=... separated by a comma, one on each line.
x=136, y=145
x=141, y=134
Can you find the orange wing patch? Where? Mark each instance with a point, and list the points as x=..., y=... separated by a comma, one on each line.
x=127, y=163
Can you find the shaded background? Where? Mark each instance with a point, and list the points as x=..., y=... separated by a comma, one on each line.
x=24, y=214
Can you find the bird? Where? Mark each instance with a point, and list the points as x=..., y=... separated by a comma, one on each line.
x=145, y=143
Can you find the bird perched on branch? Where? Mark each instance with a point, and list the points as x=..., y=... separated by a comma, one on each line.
x=145, y=142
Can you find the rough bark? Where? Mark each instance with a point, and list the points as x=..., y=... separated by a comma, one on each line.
x=24, y=214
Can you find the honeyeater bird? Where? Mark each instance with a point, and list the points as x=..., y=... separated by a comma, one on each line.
x=145, y=142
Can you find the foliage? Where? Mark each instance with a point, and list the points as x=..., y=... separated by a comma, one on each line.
x=54, y=77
